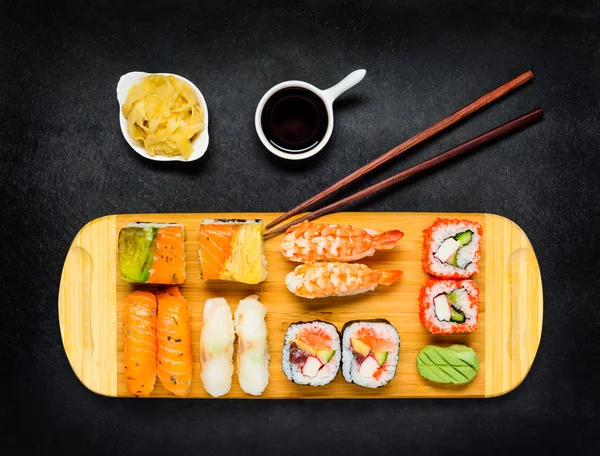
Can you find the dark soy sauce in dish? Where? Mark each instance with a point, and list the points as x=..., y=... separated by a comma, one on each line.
x=294, y=120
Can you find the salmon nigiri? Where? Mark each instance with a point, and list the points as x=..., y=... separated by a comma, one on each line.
x=174, y=341
x=139, y=344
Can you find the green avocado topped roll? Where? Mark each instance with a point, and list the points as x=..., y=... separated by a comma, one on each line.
x=457, y=364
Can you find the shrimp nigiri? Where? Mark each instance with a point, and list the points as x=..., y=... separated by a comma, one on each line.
x=321, y=280
x=216, y=347
x=139, y=343
x=311, y=242
x=174, y=341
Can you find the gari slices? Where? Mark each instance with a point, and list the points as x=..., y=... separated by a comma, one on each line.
x=139, y=342
x=253, y=352
x=216, y=347
x=174, y=341
x=164, y=115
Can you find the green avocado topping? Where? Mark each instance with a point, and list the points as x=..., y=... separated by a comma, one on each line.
x=136, y=253
x=456, y=364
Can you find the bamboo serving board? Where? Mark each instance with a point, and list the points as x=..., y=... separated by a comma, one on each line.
x=91, y=298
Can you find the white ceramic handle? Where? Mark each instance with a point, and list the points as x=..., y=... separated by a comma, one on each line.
x=348, y=82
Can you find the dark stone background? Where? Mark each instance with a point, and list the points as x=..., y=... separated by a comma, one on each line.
x=64, y=162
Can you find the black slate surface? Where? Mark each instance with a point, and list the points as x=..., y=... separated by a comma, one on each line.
x=64, y=162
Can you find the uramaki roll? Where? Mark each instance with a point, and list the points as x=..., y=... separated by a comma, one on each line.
x=449, y=306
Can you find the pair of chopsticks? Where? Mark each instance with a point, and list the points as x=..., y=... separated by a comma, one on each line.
x=498, y=132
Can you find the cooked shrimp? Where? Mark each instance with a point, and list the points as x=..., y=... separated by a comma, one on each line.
x=320, y=280
x=310, y=242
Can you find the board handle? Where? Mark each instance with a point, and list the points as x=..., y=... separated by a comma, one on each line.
x=77, y=336
x=523, y=275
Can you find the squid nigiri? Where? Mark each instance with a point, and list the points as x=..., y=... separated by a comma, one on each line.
x=311, y=242
x=174, y=341
x=253, y=353
x=216, y=347
x=139, y=343
x=321, y=280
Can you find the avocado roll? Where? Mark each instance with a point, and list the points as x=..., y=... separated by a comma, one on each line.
x=370, y=352
x=451, y=249
x=152, y=253
x=449, y=306
x=311, y=353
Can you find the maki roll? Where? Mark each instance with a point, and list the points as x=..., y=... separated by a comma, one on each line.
x=449, y=306
x=451, y=249
x=152, y=253
x=370, y=352
x=232, y=249
x=311, y=353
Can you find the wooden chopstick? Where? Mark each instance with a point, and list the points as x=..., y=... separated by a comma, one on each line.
x=425, y=134
x=515, y=124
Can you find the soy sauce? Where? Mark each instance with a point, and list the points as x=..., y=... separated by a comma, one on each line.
x=294, y=120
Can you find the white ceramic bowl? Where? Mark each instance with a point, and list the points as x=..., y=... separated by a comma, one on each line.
x=327, y=96
x=200, y=142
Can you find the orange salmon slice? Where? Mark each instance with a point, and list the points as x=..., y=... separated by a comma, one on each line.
x=215, y=248
x=317, y=338
x=370, y=338
x=174, y=341
x=139, y=343
x=168, y=266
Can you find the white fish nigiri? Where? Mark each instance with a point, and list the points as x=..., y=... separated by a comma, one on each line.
x=216, y=347
x=253, y=352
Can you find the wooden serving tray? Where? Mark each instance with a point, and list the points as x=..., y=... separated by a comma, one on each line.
x=91, y=300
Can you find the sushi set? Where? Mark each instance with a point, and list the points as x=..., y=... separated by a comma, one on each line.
x=356, y=305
